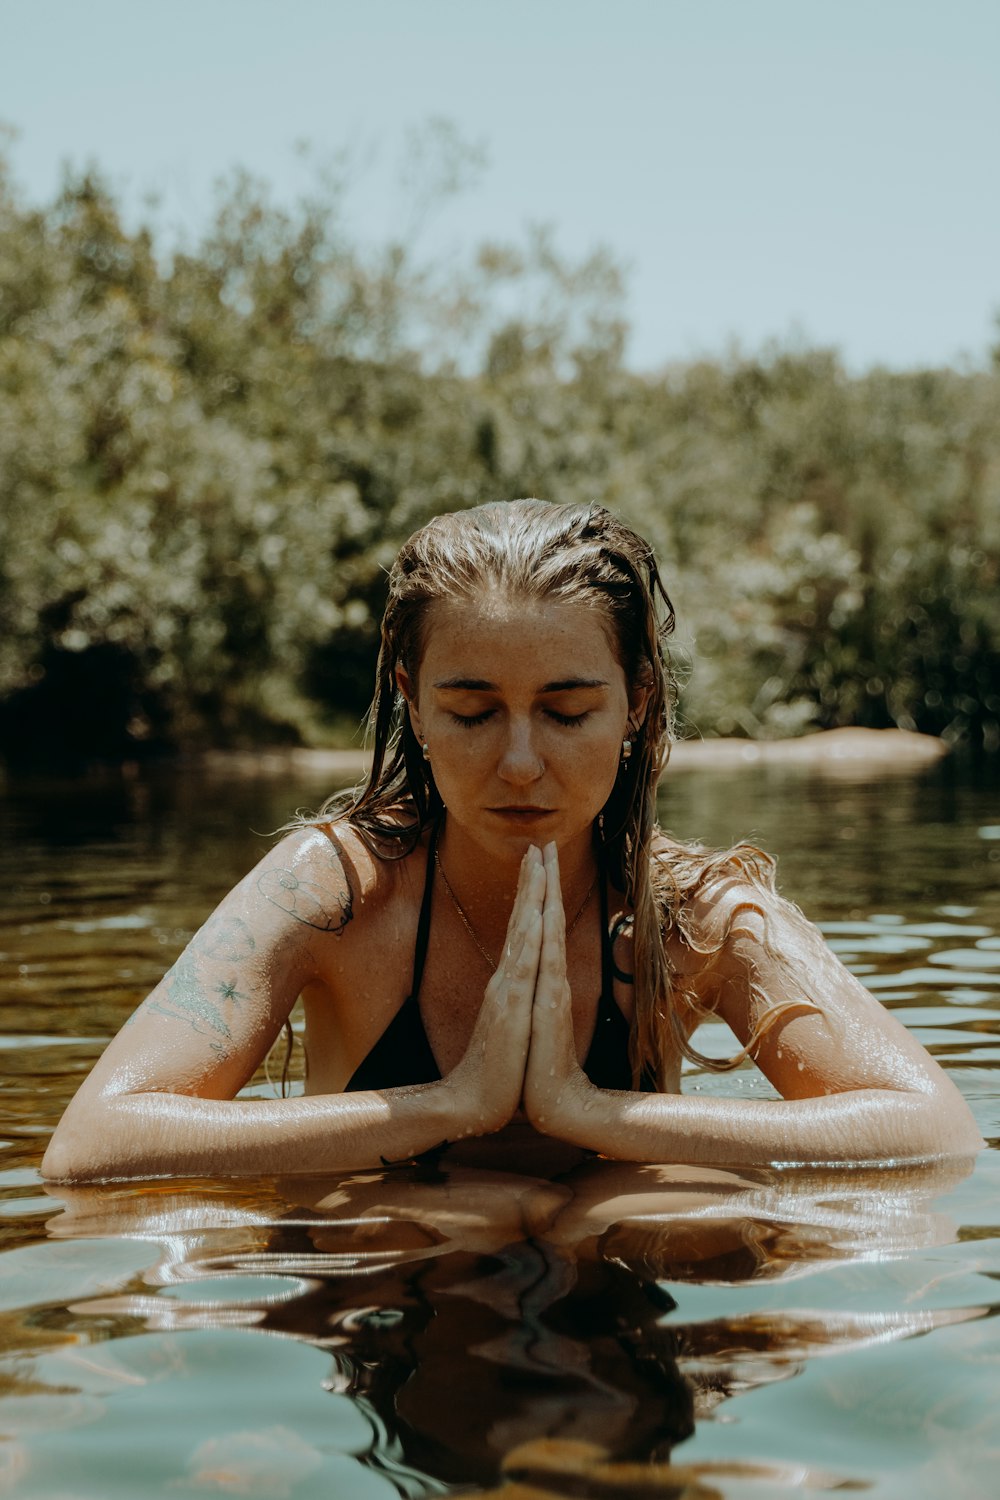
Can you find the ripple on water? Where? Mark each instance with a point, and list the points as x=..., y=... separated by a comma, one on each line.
x=403, y=1332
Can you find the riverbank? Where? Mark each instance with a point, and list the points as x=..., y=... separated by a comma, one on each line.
x=852, y=751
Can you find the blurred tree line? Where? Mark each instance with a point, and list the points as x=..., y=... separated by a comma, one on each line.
x=208, y=460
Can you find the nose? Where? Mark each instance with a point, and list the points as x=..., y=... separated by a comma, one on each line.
x=520, y=763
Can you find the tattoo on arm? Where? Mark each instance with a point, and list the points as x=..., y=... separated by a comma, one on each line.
x=324, y=908
x=225, y=937
x=186, y=997
x=205, y=1004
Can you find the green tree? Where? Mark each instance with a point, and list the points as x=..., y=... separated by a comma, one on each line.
x=209, y=458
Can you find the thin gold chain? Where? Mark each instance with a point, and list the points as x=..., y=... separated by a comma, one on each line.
x=492, y=964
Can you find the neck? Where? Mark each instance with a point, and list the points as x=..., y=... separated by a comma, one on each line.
x=486, y=887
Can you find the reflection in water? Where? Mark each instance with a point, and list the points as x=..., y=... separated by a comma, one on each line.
x=488, y=1322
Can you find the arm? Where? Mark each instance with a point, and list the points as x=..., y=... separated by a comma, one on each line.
x=856, y=1085
x=161, y=1099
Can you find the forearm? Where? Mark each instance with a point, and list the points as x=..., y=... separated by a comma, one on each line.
x=162, y=1134
x=860, y=1125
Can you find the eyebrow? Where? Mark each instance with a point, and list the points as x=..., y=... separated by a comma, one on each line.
x=480, y=685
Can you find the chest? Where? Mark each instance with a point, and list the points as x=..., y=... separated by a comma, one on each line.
x=453, y=988
x=366, y=983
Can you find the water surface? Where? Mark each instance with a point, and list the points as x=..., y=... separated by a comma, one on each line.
x=613, y=1330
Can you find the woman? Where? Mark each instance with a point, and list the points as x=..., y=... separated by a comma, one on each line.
x=494, y=928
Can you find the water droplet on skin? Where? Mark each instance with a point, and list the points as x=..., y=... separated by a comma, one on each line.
x=800, y=1066
x=780, y=1054
x=552, y=1072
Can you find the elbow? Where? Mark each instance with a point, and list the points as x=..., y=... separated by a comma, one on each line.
x=941, y=1124
x=79, y=1151
x=61, y=1163
x=962, y=1138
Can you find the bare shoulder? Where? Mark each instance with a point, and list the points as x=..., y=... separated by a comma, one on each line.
x=323, y=874
x=724, y=902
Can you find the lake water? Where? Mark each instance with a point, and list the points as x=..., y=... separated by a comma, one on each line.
x=615, y=1331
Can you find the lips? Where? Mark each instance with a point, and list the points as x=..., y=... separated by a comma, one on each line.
x=522, y=814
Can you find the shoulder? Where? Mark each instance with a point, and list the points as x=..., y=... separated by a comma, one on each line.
x=322, y=875
x=716, y=901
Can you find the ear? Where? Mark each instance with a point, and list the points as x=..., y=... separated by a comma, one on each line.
x=638, y=703
x=408, y=689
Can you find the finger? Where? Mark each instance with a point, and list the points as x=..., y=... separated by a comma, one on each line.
x=527, y=879
x=518, y=965
x=533, y=871
x=553, y=885
x=524, y=968
x=553, y=957
x=530, y=892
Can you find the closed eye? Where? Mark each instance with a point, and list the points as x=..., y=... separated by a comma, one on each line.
x=469, y=721
x=568, y=721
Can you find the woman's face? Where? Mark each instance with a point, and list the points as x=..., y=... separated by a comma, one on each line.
x=523, y=705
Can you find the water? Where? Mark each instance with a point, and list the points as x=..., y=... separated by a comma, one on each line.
x=614, y=1331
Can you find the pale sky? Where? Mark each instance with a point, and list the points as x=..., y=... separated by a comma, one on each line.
x=823, y=171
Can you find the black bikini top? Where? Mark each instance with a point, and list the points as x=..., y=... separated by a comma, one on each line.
x=402, y=1055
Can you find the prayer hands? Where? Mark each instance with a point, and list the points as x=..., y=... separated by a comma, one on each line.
x=522, y=1050
x=554, y=1082
x=487, y=1084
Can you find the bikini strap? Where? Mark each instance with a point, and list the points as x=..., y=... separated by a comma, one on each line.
x=424, y=920
x=607, y=953
x=622, y=924
x=609, y=937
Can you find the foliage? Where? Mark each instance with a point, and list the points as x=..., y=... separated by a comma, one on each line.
x=208, y=461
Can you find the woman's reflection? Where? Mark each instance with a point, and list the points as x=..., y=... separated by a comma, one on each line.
x=471, y=1312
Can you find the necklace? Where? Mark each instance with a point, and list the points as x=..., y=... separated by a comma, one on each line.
x=491, y=964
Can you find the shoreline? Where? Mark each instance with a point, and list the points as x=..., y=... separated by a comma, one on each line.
x=831, y=751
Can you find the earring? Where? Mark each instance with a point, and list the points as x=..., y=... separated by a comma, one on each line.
x=626, y=750
x=426, y=750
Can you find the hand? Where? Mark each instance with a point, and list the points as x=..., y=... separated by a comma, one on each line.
x=554, y=1083
x=486, y=1085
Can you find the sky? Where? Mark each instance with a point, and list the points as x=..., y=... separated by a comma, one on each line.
x=799, y=171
